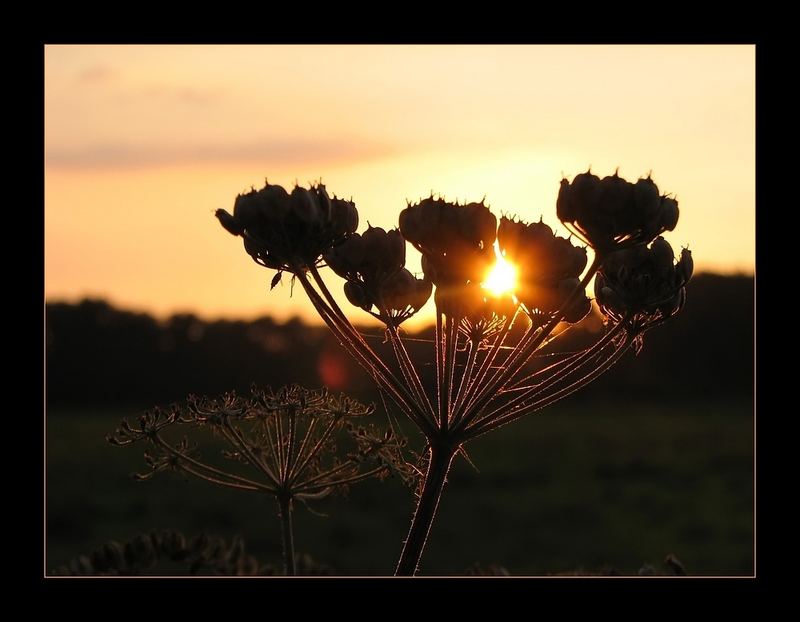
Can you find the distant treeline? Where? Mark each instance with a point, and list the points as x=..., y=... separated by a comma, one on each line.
x=97, y=355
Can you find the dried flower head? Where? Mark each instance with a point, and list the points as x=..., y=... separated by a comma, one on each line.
x=283, y=443
x=550, y=268
x=612, y=213
x=456, y=241
x=374, y=266
x=288, y=437
x=643, y=283
x=287, y=231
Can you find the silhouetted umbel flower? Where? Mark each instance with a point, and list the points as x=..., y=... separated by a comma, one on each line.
x=289, y=231
x=456, y=241
x=613, y=213
x=288, y=438
x=644, y=283
x=487, y=370
x=550, y=268
x=252, y=424
x=374, y=266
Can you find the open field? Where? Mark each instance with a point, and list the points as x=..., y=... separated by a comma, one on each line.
x=578, y=486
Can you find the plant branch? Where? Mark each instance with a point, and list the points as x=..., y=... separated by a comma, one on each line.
x=488, y=360
x=236, y=478
x=235, y=438
x=368, y=360
x=217, y=481
x=485, y=426
x=560, y=374
x=440, y=389
x=523, y=352
x=347, y=480
x=440, y=459
x=451, y=344
x=302, y=466
x=409, y=372
x=287, y=533
x=461, y=395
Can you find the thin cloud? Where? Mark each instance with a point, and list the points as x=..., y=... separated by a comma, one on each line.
x=95, y=75
x=182, y=94
x=272, y=152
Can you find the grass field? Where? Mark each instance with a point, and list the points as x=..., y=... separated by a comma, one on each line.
x=579, y=486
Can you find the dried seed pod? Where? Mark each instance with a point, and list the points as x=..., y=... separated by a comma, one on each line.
x=356, y=295
x=549, y=267
x=686, y=265
x=373, y=264
x=229, y=222
x=613, y=213
x=289, y=231
x=669, y=213
x=578, y=310
x=456, y=241
x=663, y=256
x=344, y=216
x=305, y=209
x=643, y=283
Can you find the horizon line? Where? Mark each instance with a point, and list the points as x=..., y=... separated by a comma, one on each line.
x=416, y=321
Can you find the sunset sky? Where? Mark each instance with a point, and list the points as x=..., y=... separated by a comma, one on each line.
x=143, y=143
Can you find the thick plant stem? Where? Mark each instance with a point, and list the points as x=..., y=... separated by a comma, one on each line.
x=285, y=504
x=438, y=467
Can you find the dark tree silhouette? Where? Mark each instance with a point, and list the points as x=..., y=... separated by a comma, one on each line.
x=100, y=355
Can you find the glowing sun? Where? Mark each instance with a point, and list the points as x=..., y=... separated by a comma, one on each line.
x=502, y=278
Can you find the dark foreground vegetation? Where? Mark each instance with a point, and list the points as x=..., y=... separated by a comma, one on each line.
x=652, y=459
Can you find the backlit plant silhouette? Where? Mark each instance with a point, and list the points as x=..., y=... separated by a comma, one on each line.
x=487, y=371
x=284, y=443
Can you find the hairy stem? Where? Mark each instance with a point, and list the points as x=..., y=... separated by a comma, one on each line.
x=285, y=509
x=461, y=394
x=328, y=296
x=409, y=372
x=440, y=389
x=367, y=359
x=343, y=320
x=440, y=459
x=449, y=367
